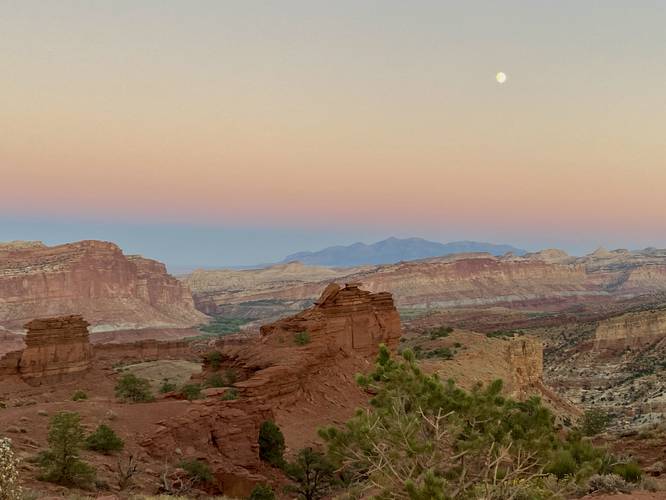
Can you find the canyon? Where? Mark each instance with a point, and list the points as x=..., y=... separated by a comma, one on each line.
x=95, y=279
x=298, y=371
x=550, y=278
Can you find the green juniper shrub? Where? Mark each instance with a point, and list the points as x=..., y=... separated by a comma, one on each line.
x=230, y=394
x=61, y=463
x=594, y=421
x=302, y=338
x=425, y=438
x=79, y=396
x=629, y=471
x=133, y=389
x=271, y=444
x=167, y=386
x=313, y=474
x=441, y=332
x=191, y=391
x=198, y=471
x=104, y=440
x=440, y=352
x=262, y=492
x=216, y=380
x=214, y=359
x=562, y=464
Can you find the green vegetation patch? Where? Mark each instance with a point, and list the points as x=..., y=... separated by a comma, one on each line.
x=133, y=389
x=425, y=438
x=221, y=326
x=79, y=396
x=441, y=332
x=271, y=444
x=302, y=338
x=104, y=440
x=198, y=471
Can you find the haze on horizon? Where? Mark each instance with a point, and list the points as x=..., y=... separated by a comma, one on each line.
x=244, y=131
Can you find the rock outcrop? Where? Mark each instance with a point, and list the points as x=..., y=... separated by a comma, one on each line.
x=525, y=359
x=55, y=348
x=344, y=323
x=92, y=278
x=225, y=434
x=632, y=329
x=305, y=365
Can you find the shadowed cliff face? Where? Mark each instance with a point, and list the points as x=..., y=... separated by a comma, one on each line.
x=93, y=278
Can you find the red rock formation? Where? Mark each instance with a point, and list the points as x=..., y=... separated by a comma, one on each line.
x=92, y=278
x=304, y=366
x=143, y=350
x=225, y=434
x=344, y=323
x=55, y=347
x=348, y=319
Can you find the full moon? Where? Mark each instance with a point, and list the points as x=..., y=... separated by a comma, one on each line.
x=500, y=77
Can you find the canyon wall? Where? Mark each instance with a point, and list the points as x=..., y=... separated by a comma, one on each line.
x=143, y=350
x=547, y=278
x=92, y=278
x=632, y=329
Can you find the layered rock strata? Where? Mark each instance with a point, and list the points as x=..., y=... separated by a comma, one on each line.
x=525, y=359
x=92, y=278
x=344, y=323
x=548, y=278
x=223, y=433
x=55, y=347
x=632, y=329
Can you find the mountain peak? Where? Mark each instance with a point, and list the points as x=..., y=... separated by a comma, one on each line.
x=393, y=249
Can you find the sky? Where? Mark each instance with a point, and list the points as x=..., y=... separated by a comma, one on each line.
x=219, y=132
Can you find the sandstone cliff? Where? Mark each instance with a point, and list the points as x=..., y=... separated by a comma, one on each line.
x=631, y=329
x=550, y=277
x=92, y=278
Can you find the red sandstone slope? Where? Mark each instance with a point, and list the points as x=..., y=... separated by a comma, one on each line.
x=92, y=278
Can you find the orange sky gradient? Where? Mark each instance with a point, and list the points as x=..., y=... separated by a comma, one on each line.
x=357, y=113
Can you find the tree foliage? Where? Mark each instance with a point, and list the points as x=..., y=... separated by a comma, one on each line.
x=104, y=440
x=312, y=473
x=594, y=421
x=61, y=463
x=427, y=439
x=134, y=389
x=262, y=492
x=271, y=443
x=199, y=471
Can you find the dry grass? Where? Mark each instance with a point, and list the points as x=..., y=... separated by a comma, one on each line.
x=177, y=371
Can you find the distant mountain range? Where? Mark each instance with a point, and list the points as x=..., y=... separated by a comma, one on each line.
x=394, y=250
